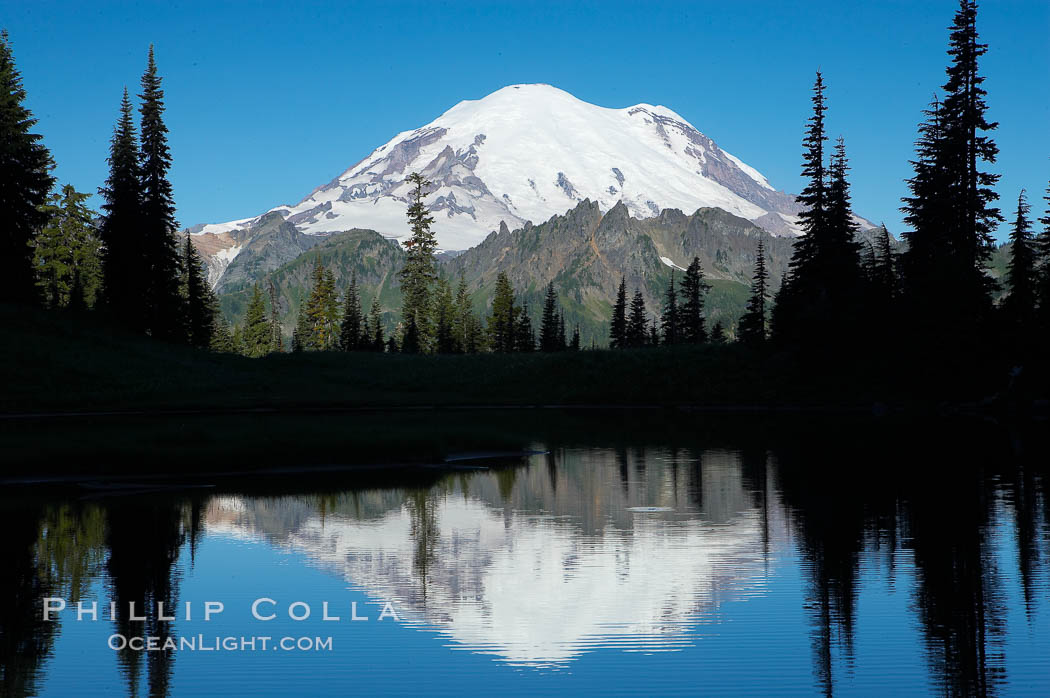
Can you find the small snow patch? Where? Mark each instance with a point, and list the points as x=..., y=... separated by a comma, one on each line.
x=671, y=264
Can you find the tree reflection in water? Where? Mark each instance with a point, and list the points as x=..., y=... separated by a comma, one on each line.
x=934, y=501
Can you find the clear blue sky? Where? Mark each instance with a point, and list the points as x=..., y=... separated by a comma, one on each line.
x=267, y=100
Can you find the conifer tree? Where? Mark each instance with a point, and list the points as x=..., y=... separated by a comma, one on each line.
x=799, y=290
x=78, y=302
x=199, y=298
x=503, y=321
x=158, y=225
x=301, y=335
x=618, y=326
x=693, y=290
x=410, y=337
x=718, y=333
x=330, y=300
x=867, y=261
x=463, y=316
x=560, y=343
x=313, y=310
x=670, y=323
x=524, y=337
x=654, y=333
x=257, y=340
x=469, y=332
x=884, y=274
x=25, y=182
x=123, y=260
x=276, y=338
x=818, y=298
x=445, y=320
x=1042, y=246
x=966, y=129
x=222, y=337
x=1019, y=305
x=841, y=244
x=752, y=328
x=352, y=332
x=237, y=339
x=322, y=311
x=375, y=325
x=550, y=325
x=950, y=210
x=637, y=322
x=66, y=250
x=924, y=264
x=420, y=270
x=575, y=344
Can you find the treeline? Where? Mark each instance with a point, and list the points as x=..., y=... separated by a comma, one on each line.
x=680, y=322
x=843, y=291
x=126, y=262
x=451, y=326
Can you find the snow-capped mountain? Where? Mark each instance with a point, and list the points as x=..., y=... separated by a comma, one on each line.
x=528, y=152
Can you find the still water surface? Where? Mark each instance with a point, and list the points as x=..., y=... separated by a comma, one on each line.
x=602, y=565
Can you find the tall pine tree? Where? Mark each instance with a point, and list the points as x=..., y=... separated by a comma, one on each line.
x=222, y=337
x=257, y=340
x=950, y=210
x=322, y=311
x=503, y=321
x=524, y=337
x=301, y=335
x=158, y=225
x=199, y=298
x=25, y=182
x=445, y=341
x=1042, y=246
x=410, y=337
x=351, y=332
x=637, y=322
x=818, y=298
x=276, y=337
x=124, y=270
x=1019, y=306
x=800, y=290
x=969, y=145
x=420, y=270
x=670, y=322
x=752, y=327
x=375, y=325
x=693, y=290
x=618, y=325
x=551, y=324
x=469, y=332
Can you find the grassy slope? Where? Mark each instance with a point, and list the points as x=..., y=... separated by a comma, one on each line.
x=52, y=362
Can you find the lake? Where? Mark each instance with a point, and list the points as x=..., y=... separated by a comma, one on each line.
x=609, y=554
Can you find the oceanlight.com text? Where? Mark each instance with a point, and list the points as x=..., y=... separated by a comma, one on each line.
x=215, y=643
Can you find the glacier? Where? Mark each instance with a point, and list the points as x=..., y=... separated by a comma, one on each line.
x=526, y=153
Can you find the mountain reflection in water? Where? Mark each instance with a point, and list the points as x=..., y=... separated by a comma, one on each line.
x=606, y=548
x=536, y=565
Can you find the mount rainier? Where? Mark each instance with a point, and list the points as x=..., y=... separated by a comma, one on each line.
x=525, y=153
